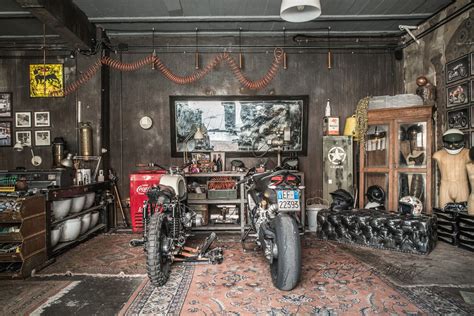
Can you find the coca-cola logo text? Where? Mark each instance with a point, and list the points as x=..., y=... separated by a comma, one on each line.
x=143, y=188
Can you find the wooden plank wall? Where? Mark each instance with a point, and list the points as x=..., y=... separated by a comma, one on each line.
x=354, y=75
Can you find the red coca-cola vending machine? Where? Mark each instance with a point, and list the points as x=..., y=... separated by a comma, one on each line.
x=140, y=182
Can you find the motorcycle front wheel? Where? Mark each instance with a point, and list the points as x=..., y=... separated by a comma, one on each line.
x=158, y=265
x=286, y=267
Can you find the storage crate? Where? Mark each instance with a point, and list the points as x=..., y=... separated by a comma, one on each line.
x=222, y=194
x=196, y=196
x=202, y=209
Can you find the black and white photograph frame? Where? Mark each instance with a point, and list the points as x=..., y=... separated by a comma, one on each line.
x=457, y=69
x=6, y=104
x=240, y=126
x=458, y=118
x=5, y=134
x=215, y=155
x=201, y=157
x=467, y=139
x=472, y=90
x=42, y=119
x=457, y=94
x=23, y=137
x=472, y=115
x=472, y=64
x=22, y=119
x=42, y=138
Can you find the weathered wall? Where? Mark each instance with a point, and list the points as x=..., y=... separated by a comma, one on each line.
x=14, y=77
x=452, y=39
x=355, y=74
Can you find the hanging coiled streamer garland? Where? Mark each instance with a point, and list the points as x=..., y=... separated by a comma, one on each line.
x=197, y=75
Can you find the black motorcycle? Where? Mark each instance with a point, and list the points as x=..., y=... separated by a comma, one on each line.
x=274, y=203
x=167, y=222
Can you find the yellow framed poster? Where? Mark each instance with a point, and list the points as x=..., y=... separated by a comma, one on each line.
x=46, y=80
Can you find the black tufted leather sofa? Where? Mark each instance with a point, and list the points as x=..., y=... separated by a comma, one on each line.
x=379, y=229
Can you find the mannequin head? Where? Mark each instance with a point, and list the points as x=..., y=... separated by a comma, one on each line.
x=453, y=141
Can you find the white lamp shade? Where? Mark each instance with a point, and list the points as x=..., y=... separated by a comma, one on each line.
x=198, y=135
x=300, y=10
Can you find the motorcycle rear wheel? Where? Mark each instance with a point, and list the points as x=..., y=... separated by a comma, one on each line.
x=158, y=265
x=286, y=268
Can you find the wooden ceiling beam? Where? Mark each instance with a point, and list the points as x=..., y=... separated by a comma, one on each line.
x=66, y=19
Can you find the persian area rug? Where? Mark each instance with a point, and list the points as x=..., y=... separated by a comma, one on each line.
x=166, y=300
x=21, y=297
x=108, y=254
x=333, y=282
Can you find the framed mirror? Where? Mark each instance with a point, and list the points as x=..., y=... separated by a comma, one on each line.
x=238, y=125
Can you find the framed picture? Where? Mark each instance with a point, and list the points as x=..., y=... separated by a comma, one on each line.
x=458, y=118
x=467, y=140
x=457, y=69
x=201, y=157
x=42, y=119
x=23, y=119
x=42, y=138
x=46, y=80
x=472, y=90
x=5, y=134
x=24, y=137
x=218, y=156
x=472, y=115
x=6, y=104
x=457, y=94
x=472, y=64
x=240, y=126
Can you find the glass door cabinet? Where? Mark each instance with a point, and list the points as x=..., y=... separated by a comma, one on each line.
x=397, y=155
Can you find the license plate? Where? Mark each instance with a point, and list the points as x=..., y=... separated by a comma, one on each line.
x=288, y=200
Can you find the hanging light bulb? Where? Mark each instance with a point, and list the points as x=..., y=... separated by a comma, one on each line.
x=241, y=57
x=153, y=45
x=285, y=65
x=329, y=50
x=196, y=54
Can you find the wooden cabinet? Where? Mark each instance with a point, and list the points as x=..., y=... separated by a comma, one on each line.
x=397, y=155
x=22, y=235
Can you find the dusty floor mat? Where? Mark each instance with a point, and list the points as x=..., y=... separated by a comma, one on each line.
x=20, y=297
x=434, y=282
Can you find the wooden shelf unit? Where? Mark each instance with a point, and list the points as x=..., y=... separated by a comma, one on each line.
x=70, y=192
x=30, y=218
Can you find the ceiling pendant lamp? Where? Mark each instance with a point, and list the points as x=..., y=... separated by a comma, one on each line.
x=300, y=10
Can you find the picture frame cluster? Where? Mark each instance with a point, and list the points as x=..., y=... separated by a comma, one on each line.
x=26, y=119
x=460, y=95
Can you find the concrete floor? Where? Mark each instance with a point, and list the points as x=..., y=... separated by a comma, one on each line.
x=446, y=277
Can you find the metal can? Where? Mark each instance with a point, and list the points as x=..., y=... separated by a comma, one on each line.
x=85, y=132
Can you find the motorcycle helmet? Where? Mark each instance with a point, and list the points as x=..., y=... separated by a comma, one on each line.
x=375, y=193
x=410, y=205
x=453, y=141
x=341, y=200
x=421, y=81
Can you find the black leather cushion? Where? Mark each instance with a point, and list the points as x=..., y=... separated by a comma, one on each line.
x=379, y=229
